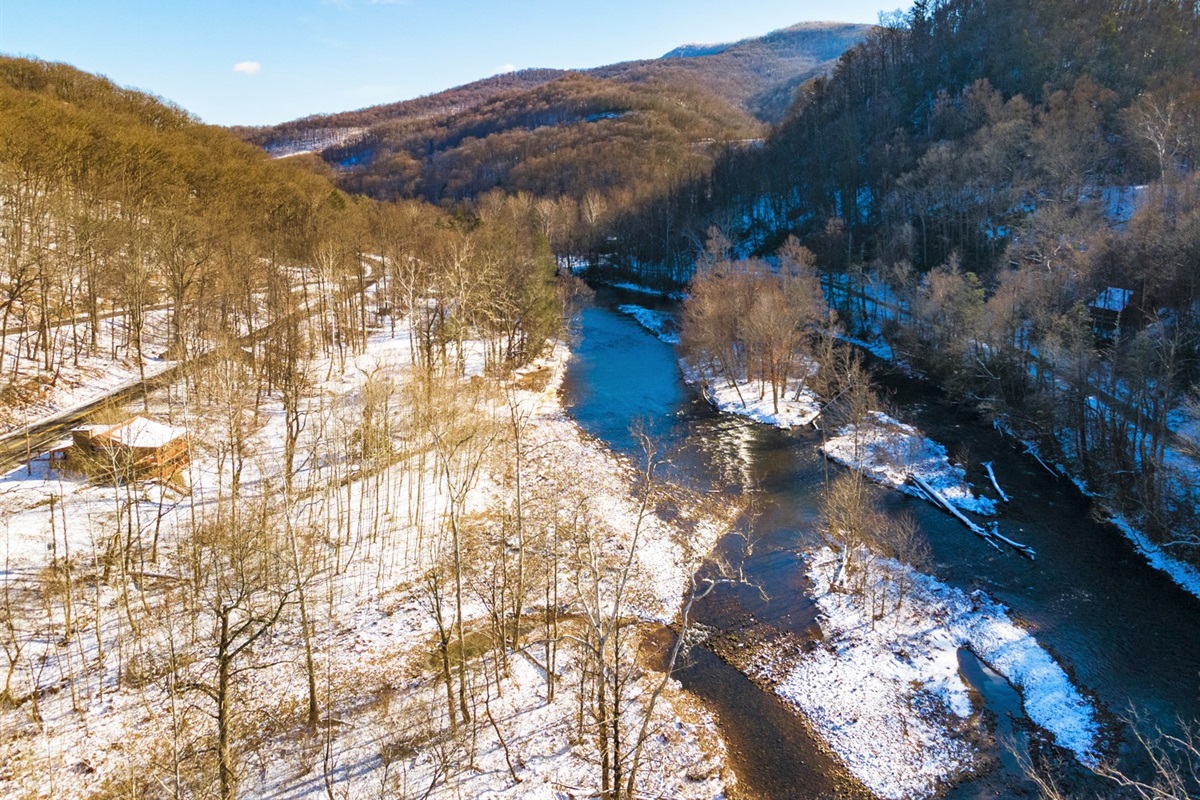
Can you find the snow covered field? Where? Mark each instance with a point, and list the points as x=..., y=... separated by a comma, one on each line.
x=886, y=693
x=888, y=451
x=98, y=706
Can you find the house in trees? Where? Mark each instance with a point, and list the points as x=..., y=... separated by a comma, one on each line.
x=1110, y=311
x=139, y=447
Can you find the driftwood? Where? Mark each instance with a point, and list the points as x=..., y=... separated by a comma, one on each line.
x=988, y=466
x=1031, y=450
x=1023, y=549
x=936, y=498
x=991, y=536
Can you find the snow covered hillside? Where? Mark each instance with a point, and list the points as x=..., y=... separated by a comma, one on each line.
x=346, y=678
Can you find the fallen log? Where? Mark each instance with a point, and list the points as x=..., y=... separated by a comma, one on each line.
x=935, y=496
x=1031, y=450
x=1023, y=549
x=990, y=536
x=988, y=466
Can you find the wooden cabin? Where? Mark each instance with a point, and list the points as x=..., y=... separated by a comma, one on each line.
x=139, y=447
x=1110, y=312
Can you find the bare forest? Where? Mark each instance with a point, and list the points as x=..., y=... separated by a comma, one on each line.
x=297, y=501
x=391, y=567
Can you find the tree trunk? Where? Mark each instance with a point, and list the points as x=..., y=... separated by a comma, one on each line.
x=224, y=756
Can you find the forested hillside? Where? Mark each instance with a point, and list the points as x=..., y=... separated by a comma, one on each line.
x=575, y=135
x=295, y=136
x=115, y=207
x=974, y=178
x=592, y=141
x=113, y=204
x=759, y=75
x=358, y=521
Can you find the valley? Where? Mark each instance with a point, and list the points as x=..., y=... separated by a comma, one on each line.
x=812, y=414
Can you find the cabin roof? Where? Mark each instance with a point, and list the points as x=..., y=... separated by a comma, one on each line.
x=142, y=432
x=1112, y=299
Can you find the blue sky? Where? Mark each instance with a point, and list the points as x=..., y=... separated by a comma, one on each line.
x=262, y=61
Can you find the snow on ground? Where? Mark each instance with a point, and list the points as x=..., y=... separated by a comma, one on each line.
x=876, y=346
x=79, y=376
x=1183, y=573
x=105, y=715
x=1118, y=203
x=1181, y=458
x=797, y=405
x=886, y=694
x=667, y=551
x=314, y=141
x=888, y=451
x=660, y=323
x=1187, y=473
x=637, y=287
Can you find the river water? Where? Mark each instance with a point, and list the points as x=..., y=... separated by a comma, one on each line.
x=1128, y=636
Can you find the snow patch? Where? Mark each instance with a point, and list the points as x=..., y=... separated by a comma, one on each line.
x=1184, y=574
x=888, y=451
x=886, y=694
x=637, y=287
x=660, y=323
x=796, y=406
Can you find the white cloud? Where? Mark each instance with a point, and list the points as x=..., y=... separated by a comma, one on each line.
x=248, y=67
x=506, y=68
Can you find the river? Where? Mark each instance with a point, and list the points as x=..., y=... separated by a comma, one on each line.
x=1128, y=636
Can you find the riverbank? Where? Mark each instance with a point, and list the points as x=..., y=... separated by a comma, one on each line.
x=789, y=406
x=1181, y=453
x=1088, y=599
x=884, y=690
x=1183, y=573
x=889, y=452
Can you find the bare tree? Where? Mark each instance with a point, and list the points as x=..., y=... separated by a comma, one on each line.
x=459, y=429
x=747, y=322
x=1174, y=756
x=240, y=578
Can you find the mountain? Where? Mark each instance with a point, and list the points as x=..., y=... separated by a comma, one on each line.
x=979, y=179
x=940, y=132
x=761, y=74
x=626, y=128
x=318, y=132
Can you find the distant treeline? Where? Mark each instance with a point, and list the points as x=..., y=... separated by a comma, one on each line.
x=588, y=143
